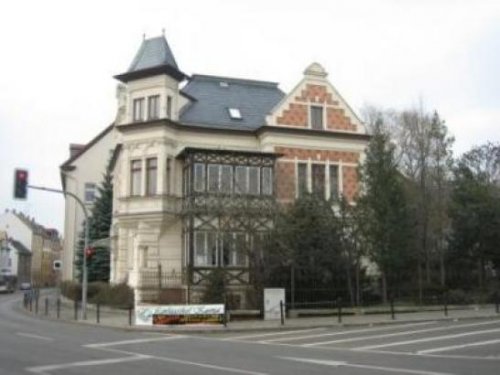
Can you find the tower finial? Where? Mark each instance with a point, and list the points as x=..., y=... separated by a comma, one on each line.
x=143, y=36
x=163, y=31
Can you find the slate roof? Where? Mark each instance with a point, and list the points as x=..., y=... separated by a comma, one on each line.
x=254, y=99
x=153, y=52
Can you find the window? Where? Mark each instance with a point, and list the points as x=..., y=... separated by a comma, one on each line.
x=233, y=250
x=334, y=181
x=318, y=180
x=223, y=84
x=253, y=180
x=205, y=249
x=139, y=109
x=199, y=177
x=135, y=177
x=213, y=177
x=89, y=194
x=302, y=179
x=267, y=180
x=151, y=176
x=226, y=178
x=317, y=117
x=240, y=180
x=168, y=179
x=234, y=113
x=153, y=107
x=169, y=106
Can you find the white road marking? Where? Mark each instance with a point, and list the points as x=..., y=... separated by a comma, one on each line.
x=367, y=367
x=362, y=338
x=136, y=341
x=183, y=362
x=32, y=336
x=367, y=330
x=428, y=339
x=455, y=347
x=46, y=369
x=270, y=334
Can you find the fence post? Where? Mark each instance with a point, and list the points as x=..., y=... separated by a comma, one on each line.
x=497, y=303
x=282, y=313
x=98, y=313
x=25, y=301
x=46, y=306
x=75, y=307
x=31, y=303
x=130, y=315
x=445, y=303
x=224, y=318
x=339, y=310
x=393, y=313
x=36, y=304
x=58, y=308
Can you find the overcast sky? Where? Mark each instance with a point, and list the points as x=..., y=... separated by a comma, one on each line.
x=58, y=58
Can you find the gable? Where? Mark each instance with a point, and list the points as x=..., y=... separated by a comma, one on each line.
x=315, y=90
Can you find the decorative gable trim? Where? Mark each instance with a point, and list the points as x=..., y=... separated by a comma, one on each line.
x=315, y=89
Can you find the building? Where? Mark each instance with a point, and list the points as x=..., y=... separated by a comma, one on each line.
x=31, y=248
x=15, y=259
x=80, y=175
x=201, y=160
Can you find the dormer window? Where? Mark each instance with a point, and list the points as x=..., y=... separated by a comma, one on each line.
x=138, y=109
x=235, y=113
x=223, y=84
x=317, y=117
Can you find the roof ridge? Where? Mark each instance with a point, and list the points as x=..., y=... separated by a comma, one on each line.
x=256, y=82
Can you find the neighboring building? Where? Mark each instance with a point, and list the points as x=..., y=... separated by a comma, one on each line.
x=201, y=160
x=80, y=175
x=15, y=259
x=32, y=248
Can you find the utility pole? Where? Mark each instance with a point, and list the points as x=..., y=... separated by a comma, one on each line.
x=86, y=243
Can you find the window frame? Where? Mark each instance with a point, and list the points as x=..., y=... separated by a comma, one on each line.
x=151, y=170
x=154, y=107
x=138, y=110
x=89, y=188
x=312, y=124
x=135, y=174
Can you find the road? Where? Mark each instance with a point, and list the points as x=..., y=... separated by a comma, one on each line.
x=29, y=345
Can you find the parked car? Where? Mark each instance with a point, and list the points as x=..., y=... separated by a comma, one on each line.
x=25, y=286
x=7, y=284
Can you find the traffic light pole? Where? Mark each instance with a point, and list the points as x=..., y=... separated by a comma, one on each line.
x=86, y=243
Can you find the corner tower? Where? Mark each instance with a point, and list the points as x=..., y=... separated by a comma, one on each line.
x=149, y=89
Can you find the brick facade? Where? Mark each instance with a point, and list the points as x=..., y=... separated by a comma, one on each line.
x=285, y=170
x=297, y=112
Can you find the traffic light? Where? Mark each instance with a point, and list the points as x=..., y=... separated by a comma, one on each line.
x=20, y=183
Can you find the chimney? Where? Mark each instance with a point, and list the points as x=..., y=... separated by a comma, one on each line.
x=75, y=148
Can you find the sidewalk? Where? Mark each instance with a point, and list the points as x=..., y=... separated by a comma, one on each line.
x=124, y=318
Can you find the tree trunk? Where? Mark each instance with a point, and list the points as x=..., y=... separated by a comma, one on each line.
x=384, y=288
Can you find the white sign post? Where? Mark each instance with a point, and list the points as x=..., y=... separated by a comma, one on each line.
x=272, y=299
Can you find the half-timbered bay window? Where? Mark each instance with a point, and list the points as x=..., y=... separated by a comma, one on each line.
x=151, y=175
x=229, y=179
x=212, y=249
x=135, y=177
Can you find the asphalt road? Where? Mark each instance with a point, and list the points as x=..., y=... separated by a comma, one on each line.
x=29, y=345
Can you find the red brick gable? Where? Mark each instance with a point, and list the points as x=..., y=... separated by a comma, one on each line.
x=296, y=114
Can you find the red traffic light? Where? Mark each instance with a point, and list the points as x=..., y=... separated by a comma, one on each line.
x=20, y=183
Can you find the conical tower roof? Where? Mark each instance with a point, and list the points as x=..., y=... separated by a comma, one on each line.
x=153, y=57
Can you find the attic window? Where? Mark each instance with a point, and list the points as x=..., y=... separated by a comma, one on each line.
x=235, y=113
x=223, y=84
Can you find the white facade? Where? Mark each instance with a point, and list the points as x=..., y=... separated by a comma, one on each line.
x=15, y=228
x=87, y=167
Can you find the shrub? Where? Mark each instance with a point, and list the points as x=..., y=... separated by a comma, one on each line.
x=114, y=295
x=459, y=297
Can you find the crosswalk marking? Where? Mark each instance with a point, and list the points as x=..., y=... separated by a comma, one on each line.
x=455, y=347
x=365, y=330
x=362, y=338
x=428, y=339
